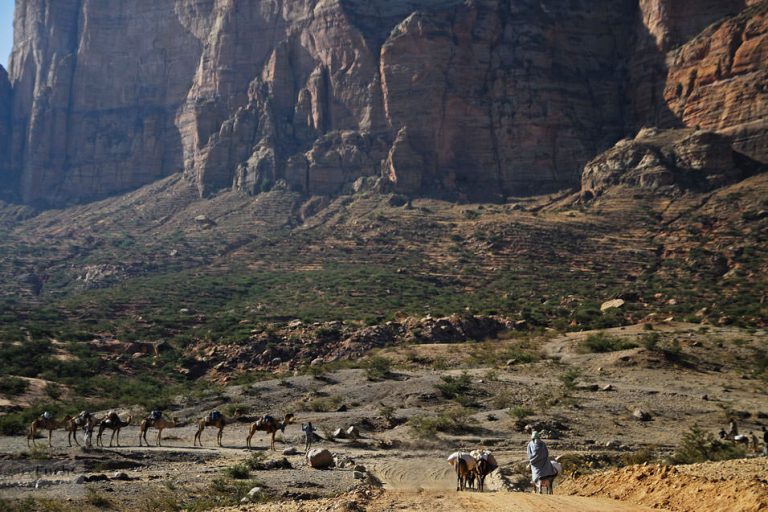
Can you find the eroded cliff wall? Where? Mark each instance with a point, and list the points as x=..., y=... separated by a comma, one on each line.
x=480, y=98
x=705, y=64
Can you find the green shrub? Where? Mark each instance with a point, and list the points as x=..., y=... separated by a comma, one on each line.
x=601, y=342
x=520, y=412
x=651, y=341
x=378, y=367
x=569, y=379
x=387, y=412
x=453, y=387
x=238, y=471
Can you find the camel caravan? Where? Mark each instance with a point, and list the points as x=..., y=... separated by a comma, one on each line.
x=88, y=423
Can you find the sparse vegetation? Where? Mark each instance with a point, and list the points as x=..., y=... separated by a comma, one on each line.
x=520, y=412
x=238, y=471
x=645, y=454
x=602, y=342
x=323, y=404
x=378, y=367
x=569, y=379
x=454, y=387
x=98, y=500
x=700, y=446
x=12, y=386
x=454, y=420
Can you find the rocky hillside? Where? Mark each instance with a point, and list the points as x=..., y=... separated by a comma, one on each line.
x=479, y=99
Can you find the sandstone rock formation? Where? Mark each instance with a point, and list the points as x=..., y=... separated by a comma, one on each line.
x=472, y=98
x=671, y=160
x=703, y=64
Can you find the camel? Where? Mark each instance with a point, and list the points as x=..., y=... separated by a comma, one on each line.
x=270, y=426
x=84, y=420
x=113, y=422
x=219, y=422
x=43, y=423
x=160, y=424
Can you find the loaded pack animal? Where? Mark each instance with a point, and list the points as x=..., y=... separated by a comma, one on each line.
x=271, y=426
x=158, y=422
x=463, y=465
x=112, y=421
x=85, y=420
x=46, y=421
x=486, y=463
x=214, y=419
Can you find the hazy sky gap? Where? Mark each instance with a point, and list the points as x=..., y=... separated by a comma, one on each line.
x=6, y=30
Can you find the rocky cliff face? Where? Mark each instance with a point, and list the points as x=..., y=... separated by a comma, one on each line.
x=5, y=129
x=703, y=64
x=480, y=98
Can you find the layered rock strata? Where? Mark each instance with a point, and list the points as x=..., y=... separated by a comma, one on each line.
x=473, y=98
x=703, y=64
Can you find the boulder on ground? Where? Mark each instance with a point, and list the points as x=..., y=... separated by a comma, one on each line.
x=611, y=304
x=319, y=458
x=641, y=415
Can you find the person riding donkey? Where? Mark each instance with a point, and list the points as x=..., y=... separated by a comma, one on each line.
x=542, y=471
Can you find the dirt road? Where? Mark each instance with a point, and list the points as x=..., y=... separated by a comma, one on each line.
x=429, y=484
x=432, y=501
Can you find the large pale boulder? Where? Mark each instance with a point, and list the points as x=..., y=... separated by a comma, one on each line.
x=319, y=458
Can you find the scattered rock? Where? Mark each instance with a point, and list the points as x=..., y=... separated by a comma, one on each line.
x=641, y=415
x=80, y=479
x=344, y=461
x=359, y=475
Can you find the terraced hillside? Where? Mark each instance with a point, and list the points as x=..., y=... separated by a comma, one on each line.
x=162, y=265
